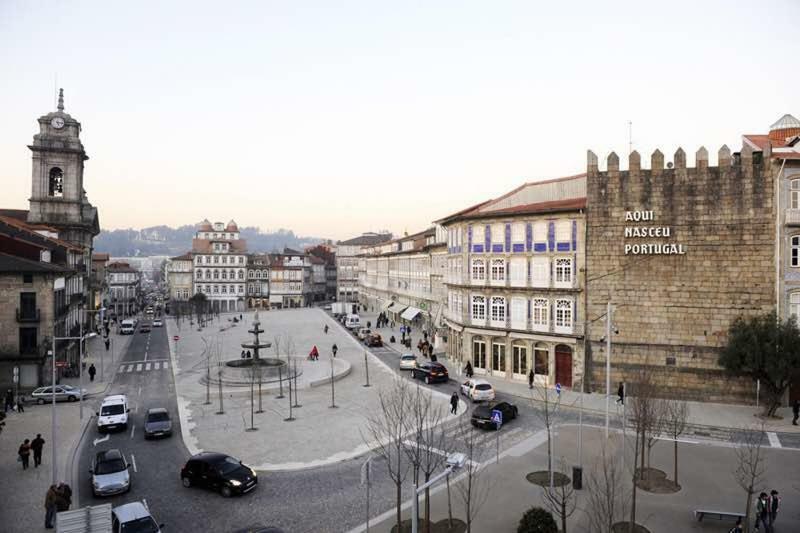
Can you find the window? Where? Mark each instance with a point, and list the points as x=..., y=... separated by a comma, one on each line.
x=563, y=272
x=478, y=308
x=208, y=274
x=224, y=289
x=564, y=315
x=216, y=274
x=224, y=274
x=498, y=233
x=540, y=272
x=478, y=234
x=498, y=311
x=518, y=233
x=498, y=357
x=498, y=271
x=563, y=231
x=794, y=194
x=224, y=259
x=519, y=359
x=518, y=271
x=232, y=274
x=796, y=251
x=241, y=260
x=519, y=313
x=27, y=341
x=216, y=259
x=216, y=246
x=56, y=183
x=241, y=274
x=199, y=274
x=478, y=353
x=540, y=232
x=541, y=355
x=540, y=313
x=478, y=271
x=794, y=305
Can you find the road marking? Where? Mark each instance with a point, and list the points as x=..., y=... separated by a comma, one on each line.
x=773, y=440
x=98, y=441
x=145, y=504
x=133, y=427
x=139, y=367
x=140, y=391
x=434, y=450
x=133, y=460
x=147, y=366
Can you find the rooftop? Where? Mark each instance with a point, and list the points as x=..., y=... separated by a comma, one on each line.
x=367, y=239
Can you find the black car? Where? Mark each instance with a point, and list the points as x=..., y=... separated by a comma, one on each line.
x=218, y=471
x=157, y=423
x=430, y=372
x=482, y=415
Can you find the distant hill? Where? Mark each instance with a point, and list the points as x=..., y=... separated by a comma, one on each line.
x=164, y=240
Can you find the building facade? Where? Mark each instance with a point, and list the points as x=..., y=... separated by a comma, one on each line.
x=179, y=277
x=290, y=281
x=220, y=264
x=124, y=290
x=347, y=263
x=258, y=281
x=513, y=289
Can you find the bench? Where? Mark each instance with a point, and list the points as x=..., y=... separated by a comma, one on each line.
x=719, y=515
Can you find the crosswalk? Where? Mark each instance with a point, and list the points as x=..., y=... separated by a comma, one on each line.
x=143, y=366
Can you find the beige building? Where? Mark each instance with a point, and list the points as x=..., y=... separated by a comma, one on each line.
x=220, y=263
x=178, y=273
x=347, y=267
x=513, y=287
x=124, y=290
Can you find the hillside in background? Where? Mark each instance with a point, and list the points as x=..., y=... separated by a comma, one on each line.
x=163, y=240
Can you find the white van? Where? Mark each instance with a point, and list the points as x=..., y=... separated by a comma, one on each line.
x=113, y=413
x=127, y=327
x=352, y=322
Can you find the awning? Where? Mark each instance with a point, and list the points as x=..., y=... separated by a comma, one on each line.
x=387, y=305
x=410, y=313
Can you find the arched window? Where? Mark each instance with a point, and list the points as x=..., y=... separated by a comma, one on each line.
x=56, y=183
x=256, y=274
x=232, y=274
x=224, y=274
x=795, y=258
x=794, y=194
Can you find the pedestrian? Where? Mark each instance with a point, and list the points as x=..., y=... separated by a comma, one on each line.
x=50, y=507
x=247, y=354
x=369, y=324
x=530, y=379
x=25, y=453
x=240, y=316
x=92, y=372
x=621, y=393
x=738, y=527
x=796, y=411
x=20, y=404
x=454, y=403
x=468, y=369
x=773, y=507
x=314, y=354
x=408, y=330
x=334, y=349
x=9, y=401
x=36, y=446
x=63, y=497
x=761, y=511
x=107, y=341
x=242, y=354
x=325, y=329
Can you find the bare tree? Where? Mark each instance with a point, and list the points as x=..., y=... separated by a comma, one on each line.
x=277, y=343
x=675, y=422
x=428, y=445
x=606, y=494
x=645, y=409
x=560, y=499
x=750, y=468
x=473, y=489
x=253, y=372
x=545, y=404
x=655, y=426
x=385, y=429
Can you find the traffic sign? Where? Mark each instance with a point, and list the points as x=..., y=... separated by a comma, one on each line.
x=497, y=418
x=62, y=364
x=176, y=338
x=558, y=388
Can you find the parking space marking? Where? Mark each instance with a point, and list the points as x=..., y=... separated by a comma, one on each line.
x=133, y=428
x=133, y=460
x=773, y=439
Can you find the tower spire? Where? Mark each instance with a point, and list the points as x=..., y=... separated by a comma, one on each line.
x=61, y=100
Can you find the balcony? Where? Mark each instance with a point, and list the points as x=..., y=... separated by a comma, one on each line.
x=27, y=315
x=76, y=298
x=793, y=217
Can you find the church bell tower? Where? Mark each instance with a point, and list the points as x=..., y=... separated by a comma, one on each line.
x=58, y=198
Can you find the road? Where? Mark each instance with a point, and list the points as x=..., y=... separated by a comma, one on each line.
x=323, y=499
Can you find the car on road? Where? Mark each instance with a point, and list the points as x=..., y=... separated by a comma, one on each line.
x=327, y=307
x=408, y=361
x=352, y=322
x=113, y=413
x=64, y=393
x=482, y=415
x=157, y=323
x=477, y=390
x=217, y=471
x=145, y=327
x=157, y=423
x=133, y=517
x=363, y=332
x=374, y=340
x=430, y=372
x=127, y=327
x=110, y=473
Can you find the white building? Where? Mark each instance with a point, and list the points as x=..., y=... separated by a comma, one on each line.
x=220, y=263
x=178, y=274
x=347, y=263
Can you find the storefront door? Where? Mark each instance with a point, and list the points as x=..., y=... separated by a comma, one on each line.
x=498, y=358
x=479, y=356
x=519, y=362
x=564, y=365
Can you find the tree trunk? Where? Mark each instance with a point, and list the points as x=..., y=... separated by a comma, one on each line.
x=563, y=514
x=747, y=513
x=633, y=494
x=427, y=505
x=641, y=462
x=399, y=503
x=449, y=506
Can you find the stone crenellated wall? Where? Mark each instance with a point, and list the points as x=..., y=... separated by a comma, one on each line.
x=698, y=251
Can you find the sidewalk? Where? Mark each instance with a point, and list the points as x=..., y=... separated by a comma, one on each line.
x=22, y=492
x=715, y=415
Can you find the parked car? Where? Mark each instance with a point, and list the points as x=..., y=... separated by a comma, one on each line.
x=157, y=423
x=110, y=473
x=145, y=327
x=477, y=390
x=134, y=517
x=63, y=393
x=218, y=471
x=363, y=332
x=482, y=415
x=408, y=361
x=157, y=323
x=430, y=372
x=374, y=340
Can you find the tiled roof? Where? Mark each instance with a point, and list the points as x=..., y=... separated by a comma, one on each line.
x=185, y=257
x=11, y=263
x=367, y=239
x=760, y=142
x=100, y=256
x=26, y=232
x=19, y=214
x=205, y=246
x=120, y=267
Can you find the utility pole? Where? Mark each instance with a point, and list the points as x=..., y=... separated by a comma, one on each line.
x=366, y=368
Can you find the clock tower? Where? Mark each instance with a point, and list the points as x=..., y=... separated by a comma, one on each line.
x=57, y=198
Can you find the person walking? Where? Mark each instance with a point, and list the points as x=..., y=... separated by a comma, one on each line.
x=92, y=372
x=50, y=507
x=36, y=446
x=530, y=379
x=20, y=404
x=334, y=349
x=63, y=497
x=325, y=329
x=454, y=403
x=621, y=393
x=468, y=369
x=738, y=527
x=25, y=453
x=9, y=401
x=796, y=411
x=773, y=506
x=761, y=511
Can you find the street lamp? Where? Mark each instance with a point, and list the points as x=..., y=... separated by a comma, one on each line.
x=454, y=462
x=609, y=329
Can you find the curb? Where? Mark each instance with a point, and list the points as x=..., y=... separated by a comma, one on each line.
x=336, y=376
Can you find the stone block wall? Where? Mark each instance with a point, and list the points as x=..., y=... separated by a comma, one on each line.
x=680, y=252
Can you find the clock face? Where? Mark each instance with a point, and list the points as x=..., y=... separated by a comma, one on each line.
x=57, y=123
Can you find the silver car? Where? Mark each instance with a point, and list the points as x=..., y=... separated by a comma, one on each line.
x=110, y=474
x=63, y=393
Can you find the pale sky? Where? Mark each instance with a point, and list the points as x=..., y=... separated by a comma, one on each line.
x=334, y=118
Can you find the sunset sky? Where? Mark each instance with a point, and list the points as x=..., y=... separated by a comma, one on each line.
x=334, y=118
